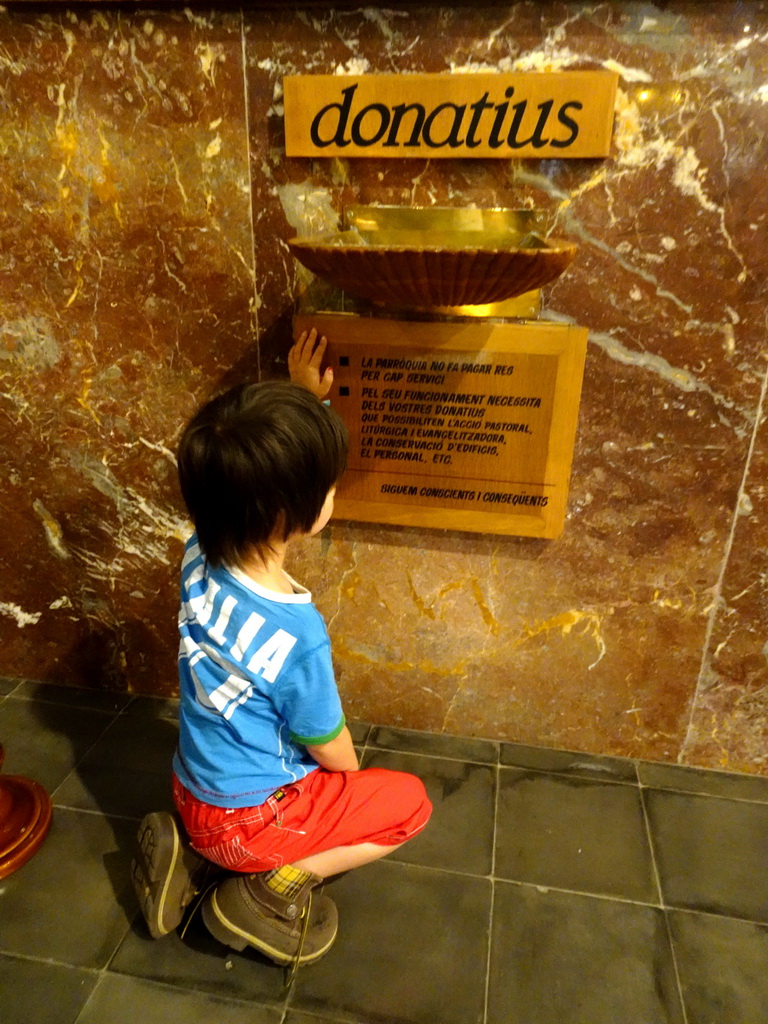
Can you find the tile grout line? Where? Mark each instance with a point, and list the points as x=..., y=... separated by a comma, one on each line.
x=596, y=776
x=13, y=689
x=497, y=776
x=394, y=859
x=516, y=767
x=705, y=796
x=106, y=970
x=362, y=747
x=107, y=815
x=441, y=757
x=102, y=972
x=547, y=887
x=169, y=986
x=497, y=787
x=99, y=738
x=663, y=905
x=91, y=995
x=523, y=883
x=48, y=960
x=598, y=759
x=311, y=1015
x=652, y=850
x=34, y=699
x=115, y=716
x=124, y=711
x=720, y=917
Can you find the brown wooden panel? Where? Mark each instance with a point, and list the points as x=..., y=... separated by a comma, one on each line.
x=461, y=425
x=528, y=114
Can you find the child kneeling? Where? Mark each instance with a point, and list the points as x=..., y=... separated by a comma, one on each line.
x=266, y=780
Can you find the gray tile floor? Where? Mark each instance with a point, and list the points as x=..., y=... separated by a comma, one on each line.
x=549, y=888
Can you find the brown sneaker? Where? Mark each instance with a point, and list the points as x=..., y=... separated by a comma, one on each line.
x=295, y=928
x=166, y=872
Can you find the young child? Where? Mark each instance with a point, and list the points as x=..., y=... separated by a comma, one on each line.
x=266, y=779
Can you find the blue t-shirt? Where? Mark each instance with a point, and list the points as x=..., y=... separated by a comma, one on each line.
x=256, y=685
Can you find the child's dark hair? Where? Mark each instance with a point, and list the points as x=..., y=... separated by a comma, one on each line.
x=258, y=461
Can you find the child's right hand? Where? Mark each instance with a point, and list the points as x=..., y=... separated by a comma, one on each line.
x=304, y=361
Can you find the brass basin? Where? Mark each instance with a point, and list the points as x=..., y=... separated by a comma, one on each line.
x=435, y=257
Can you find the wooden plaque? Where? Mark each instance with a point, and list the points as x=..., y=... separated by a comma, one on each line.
x=550, y=115
x=455, y=425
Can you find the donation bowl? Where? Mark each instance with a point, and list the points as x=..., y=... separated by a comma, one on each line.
x=430, y=258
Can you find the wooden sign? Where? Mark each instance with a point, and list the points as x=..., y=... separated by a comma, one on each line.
x=456, y=425
x=530, y=114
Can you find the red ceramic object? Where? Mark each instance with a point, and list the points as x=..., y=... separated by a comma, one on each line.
x=25, y=817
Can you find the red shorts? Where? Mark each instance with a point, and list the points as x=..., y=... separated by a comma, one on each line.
x=321, y=812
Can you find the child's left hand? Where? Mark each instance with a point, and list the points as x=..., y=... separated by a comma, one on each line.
x=304, y=361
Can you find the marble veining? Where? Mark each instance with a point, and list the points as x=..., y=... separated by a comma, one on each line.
x=146, y=200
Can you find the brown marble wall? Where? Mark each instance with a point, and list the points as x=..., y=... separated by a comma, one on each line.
x=138, y=277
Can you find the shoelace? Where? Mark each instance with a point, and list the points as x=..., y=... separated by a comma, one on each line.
x=291, y=969
x=291, y=972
x=197, y=902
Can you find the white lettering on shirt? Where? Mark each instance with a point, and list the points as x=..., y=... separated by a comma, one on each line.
x=270, y=656
x=202, y=606
x=195, y=576
x=248, y=631
x=217, y=632
x=232, y=692
x=190, y=555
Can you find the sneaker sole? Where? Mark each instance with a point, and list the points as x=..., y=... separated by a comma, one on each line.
x=152, y=873
x=236, y=938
